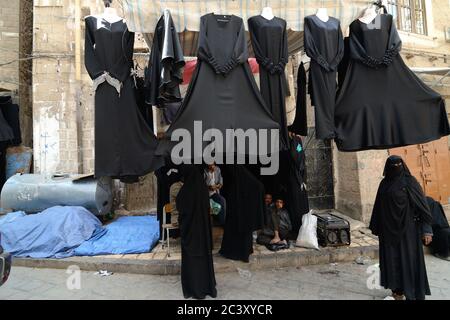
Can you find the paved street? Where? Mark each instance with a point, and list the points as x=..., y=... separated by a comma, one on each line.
x=339, y=281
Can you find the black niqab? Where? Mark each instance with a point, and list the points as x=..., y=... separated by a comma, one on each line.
x=399, y=215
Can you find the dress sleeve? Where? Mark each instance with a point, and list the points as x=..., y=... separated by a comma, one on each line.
x=204, y=49
x=374, y=225
x=93, y=66
x=311, y=49
x=340, y=50
x=240, y=52
x=417, y=197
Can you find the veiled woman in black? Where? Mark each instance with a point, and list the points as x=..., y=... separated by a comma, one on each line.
x=401, y=219
x=197, y=269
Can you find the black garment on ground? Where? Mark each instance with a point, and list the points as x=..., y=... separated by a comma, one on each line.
x=197, y=269
x=297, y=196
x=399, y=216
x=441, y=229
x=382, y=103
x=300, y=124
x=245, y=211
x=166, y=63
x=222, y=93
x=324, y=44
x=124, y=143
x=10, y=113
x=269, y=41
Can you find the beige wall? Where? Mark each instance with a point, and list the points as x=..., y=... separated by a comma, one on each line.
x=9, y=44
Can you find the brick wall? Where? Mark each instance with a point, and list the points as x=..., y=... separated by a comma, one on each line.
x=9, y=44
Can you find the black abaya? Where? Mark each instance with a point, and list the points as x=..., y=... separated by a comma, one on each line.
x=382, y=104
x=441, y=229
x=124, y=143
x=197, y=269
x=297, y=197
x=10, y=113
x=269, y=41
x=300, y=125
x=222, y=93
x=324, y=44
x=245, y=212
x=166, y=63
x=399, y=217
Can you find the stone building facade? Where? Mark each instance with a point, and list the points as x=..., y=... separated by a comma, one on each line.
x=63, y=124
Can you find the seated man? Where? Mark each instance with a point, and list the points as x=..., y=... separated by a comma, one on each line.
x=281, y=223
x=440, y=245
x=174, y=190
x=214, y=181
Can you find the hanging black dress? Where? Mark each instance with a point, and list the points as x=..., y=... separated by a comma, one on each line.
x=441, y=229
x=124, y=144
x=300, y=124
x=382, y=104
x=324, y=44
x=165, y=64
x=297, y=196
x=197, y=269
x=6, y=137
x=269, y=41
x=400, y=217
x=222, y=93
x=245, y=212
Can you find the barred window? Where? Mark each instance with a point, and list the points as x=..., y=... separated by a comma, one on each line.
x=409, y=15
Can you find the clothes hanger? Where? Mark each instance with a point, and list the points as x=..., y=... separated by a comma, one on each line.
x=110, y=13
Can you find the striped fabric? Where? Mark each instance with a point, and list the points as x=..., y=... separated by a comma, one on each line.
x=142, y=15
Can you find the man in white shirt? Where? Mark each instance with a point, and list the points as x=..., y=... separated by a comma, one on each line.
x=214, y=181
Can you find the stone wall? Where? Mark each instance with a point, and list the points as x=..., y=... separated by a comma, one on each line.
x=9, y=44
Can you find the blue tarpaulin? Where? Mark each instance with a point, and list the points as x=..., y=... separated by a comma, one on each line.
x=54, y=232
x=126, y=235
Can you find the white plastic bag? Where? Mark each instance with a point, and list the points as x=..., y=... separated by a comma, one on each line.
x=307, y=237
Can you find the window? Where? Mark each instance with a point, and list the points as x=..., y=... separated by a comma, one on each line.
x=409, y=15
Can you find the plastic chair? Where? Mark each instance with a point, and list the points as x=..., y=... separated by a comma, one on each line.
x=166, y=227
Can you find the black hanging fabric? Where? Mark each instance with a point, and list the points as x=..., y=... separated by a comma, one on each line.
x=269, y=41
x=400, y=216
x=441, y=229
x=166, y=63
x=3, y=147
x=10, y=113
x=297, y=202
x=300, y=125
x=245, y=211
x=197, y=269
x=6, y=132
x=382, y=104
x=324, y=44
x=144, y=108
x=124, y=143
x=222, y=93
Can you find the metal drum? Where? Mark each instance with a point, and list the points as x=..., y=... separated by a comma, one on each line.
x=37, y=192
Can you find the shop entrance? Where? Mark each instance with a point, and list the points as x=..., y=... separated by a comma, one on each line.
x=430, y=164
